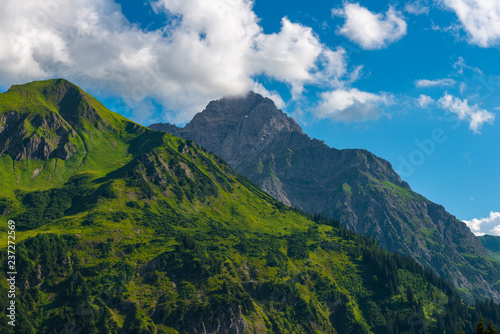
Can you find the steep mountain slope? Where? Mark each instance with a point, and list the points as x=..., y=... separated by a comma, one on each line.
x=143, y=232
x=59, y=130
x=360, y=189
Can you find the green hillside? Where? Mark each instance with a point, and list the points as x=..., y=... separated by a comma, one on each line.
x=492, y=245
x=128, y=230
x=51, y=130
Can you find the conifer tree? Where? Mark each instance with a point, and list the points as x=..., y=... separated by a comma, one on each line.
x=480, y=326
x=491, y=329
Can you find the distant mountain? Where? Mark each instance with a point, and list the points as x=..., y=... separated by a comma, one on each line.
x=120, y=229
x=354, y=185
x=492, y=245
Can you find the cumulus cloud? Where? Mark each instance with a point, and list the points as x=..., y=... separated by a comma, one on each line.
x=434, y=83
x=480, y=18
x=205, y=50
x=470, y=113
x=370, y=30
x=295, y=55
x=351, y=105
x=416, y=8
x=495, y=230
x=424, y=101
x=489, y=225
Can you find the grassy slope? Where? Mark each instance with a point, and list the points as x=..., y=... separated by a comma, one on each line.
x=107, y=145
x=492, y=245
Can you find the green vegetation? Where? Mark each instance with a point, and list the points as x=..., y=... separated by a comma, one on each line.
x=67, y=131
x=402, y=193
x=347, y=188
x=492, y=245
x=169, y=239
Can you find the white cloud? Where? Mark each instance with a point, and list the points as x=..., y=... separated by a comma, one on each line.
x=454, y=29
x=479, y=117
x=463, y=87
x=206, y=49
x=295, y=55
x=460, y=64
x=495, y=230
x=489, y=225
x=470, y=113
x=416, y=8
x=273, y=95
x=351, y=105
x=424, y=101
x=434, y=83
x=480, y=18
x=371, y=31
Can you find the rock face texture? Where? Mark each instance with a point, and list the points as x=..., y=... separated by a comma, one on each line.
x=355, y=186
x=53, y=141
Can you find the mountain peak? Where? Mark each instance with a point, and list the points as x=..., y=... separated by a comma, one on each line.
x=250, y=98
x=52, y=90
x=232, y=110
x=237, y=127
x=40, y=85
x=52, y=119
x=56, y=95
x=353, y=185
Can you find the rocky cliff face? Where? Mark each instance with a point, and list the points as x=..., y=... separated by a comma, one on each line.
x=53, y=137
x=355, y=186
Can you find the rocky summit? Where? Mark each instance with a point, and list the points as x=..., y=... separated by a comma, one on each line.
x=353, y=185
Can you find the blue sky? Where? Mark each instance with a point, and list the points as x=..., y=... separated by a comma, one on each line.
x=415, y=82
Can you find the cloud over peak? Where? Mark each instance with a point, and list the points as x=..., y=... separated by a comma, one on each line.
x=371, y=31
x=205, y=50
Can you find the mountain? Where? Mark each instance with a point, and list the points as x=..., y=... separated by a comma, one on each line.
x=353, y=185
x=58, y=129
x=121, y=229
